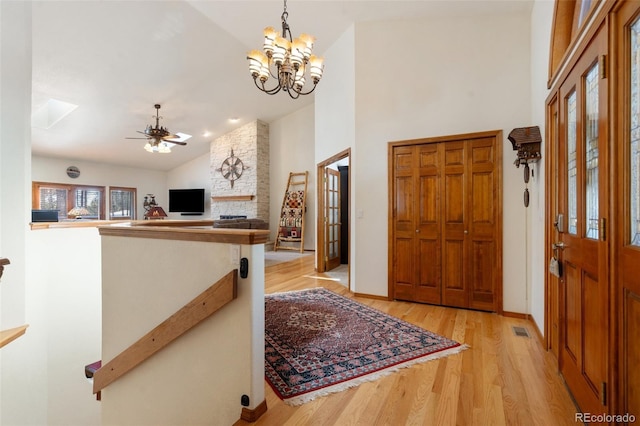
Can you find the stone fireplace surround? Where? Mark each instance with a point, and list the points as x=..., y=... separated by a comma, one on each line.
x=249, y=195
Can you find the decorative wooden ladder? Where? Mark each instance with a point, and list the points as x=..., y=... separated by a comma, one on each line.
x=294, y=207
x=8, y=336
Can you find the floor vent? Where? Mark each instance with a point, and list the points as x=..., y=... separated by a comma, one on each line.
x=520, y=331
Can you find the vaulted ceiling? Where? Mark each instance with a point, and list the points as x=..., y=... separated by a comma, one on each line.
x=116, y=59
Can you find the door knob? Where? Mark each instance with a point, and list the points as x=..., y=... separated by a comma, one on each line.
x=466, y=232
x=559, y=245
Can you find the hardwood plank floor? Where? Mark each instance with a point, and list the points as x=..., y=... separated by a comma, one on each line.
x=503, y=379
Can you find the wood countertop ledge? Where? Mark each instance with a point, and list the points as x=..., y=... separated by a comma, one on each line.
x=184, y=232
x=96, y=223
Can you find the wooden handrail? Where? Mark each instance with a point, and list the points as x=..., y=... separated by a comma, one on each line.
x=191, y=314
x=3, y=261
x=8, y=336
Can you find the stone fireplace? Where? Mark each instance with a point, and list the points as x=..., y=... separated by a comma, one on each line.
x=240, y=173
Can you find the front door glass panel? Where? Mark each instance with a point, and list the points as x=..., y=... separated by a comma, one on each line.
x=591, y=152
x=634, y=149
x=572, y=183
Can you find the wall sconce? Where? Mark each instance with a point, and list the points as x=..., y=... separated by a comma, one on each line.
x=527, y=142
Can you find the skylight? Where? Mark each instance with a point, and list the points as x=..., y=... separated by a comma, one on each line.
x=50, y=113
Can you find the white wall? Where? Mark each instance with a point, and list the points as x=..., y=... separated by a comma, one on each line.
x=63, y=272
x=541, y=22
x=23, y=393
x=466, y=77
x=335, y=118
x=291, y=144
x=193, y=174
x=48, y=169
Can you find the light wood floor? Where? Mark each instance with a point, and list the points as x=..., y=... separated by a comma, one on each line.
x=501, y=379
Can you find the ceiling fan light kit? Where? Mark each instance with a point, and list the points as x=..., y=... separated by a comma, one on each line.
x=290, y=58
x=158, y=137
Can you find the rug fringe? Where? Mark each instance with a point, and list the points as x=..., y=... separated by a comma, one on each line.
x=308, y=397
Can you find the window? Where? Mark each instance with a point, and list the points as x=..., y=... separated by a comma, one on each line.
x=62, y=197
x=634, y=148
x=122, y=203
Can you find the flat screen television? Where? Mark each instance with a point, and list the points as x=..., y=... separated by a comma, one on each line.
x=186, y=201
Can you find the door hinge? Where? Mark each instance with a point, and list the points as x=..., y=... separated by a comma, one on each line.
x=603, y=229
x=602, y=66
x=603, y=393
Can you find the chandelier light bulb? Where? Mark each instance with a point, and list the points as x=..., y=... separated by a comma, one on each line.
x=281, y=50
x=299, y=80
x=270, y=35
x=256, y=59
x=308, y=41
x=298, y=48
x=286, y=60
x=316, y=67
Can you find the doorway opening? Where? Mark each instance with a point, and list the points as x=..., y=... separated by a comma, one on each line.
x=334, y=183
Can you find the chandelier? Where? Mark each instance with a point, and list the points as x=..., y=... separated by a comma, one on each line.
x=286, y=60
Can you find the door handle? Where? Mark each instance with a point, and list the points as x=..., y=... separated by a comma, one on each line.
x=559, y=245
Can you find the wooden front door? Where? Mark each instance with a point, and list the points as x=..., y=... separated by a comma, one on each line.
x=628, y=208
x=446, y=221
x=582, y=246
x=332, y=218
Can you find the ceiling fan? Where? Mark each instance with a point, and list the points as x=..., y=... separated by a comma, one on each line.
x=159, y=138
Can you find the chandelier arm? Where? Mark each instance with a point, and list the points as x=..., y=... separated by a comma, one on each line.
x=300, y=92
x=265, y=90
x=291, y=92
x=271, y=72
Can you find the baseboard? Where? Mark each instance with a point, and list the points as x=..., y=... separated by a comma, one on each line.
x=516, y=315
x=371, y=296
x=249, y=415
x=541, y=338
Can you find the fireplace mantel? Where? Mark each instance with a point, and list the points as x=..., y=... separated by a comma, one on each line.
x=233, y=198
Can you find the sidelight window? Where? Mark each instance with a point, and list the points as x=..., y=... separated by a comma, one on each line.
x=634, y=148
x=572, y=169
x=591, y=152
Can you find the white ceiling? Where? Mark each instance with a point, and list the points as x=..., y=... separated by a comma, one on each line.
x=116, y=59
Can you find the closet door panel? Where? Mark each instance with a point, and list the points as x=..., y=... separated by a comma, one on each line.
x=482, y=275
x=454, y=292
x=403, y=270
x=429, y=229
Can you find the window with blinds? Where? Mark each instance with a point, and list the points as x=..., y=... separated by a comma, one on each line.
x=122, y=203
x=71, y=201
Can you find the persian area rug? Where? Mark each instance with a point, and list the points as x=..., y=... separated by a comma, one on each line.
x=318, y=342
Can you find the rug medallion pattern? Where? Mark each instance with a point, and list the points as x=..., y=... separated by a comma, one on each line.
x=317, y=342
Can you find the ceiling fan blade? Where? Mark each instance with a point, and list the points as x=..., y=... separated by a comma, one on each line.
x=176, y=142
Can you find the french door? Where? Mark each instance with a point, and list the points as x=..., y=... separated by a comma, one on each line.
x=582, y=197
x=332, y=219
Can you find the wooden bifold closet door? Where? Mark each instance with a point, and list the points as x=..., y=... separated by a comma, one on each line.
x=446, y=221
